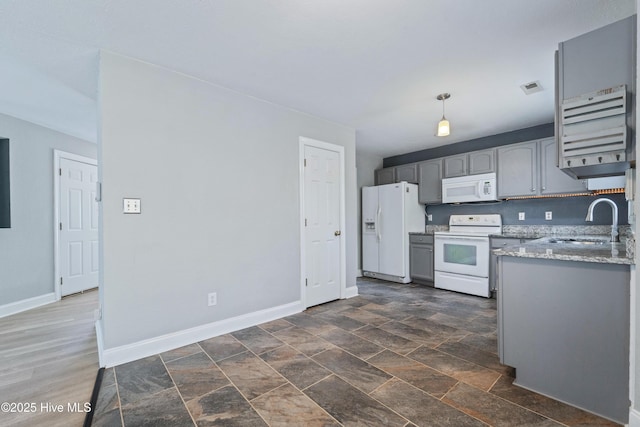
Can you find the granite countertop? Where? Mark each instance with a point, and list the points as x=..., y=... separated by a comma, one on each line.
x=550, y=247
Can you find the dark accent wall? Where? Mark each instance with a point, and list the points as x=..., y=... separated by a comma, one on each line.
x=5, y=199
x=521, y=135
x=566, y=211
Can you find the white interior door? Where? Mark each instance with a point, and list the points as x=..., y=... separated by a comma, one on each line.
x=322, y=196
x=78, y=227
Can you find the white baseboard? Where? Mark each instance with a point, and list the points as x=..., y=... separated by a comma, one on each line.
x=634, y=418
x=26, y=304
x=351, y=291
x=126, y=353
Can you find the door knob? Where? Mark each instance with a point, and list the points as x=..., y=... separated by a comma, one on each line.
x=337, y=233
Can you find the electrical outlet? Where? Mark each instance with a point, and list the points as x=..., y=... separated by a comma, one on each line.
x=429, y=217
x=548, y=215
x=521, y=216
x=212, y=299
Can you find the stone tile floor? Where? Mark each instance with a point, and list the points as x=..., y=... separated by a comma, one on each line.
x=396, y=355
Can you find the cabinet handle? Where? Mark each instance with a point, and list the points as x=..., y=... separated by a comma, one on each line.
x=337, y=233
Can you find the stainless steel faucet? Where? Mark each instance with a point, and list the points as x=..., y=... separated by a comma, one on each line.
x=614, y=207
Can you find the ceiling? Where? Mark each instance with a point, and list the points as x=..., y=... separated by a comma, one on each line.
x=373, y=65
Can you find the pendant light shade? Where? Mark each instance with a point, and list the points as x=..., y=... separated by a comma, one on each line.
x=443, y=125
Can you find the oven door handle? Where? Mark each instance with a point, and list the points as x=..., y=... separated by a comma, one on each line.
x=467, y=239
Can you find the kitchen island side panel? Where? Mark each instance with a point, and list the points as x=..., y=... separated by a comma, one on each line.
x=565, y=328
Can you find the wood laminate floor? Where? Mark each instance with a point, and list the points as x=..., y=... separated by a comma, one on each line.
x=48, y=358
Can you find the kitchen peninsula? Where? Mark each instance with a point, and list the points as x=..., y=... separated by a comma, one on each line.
x=563, y=320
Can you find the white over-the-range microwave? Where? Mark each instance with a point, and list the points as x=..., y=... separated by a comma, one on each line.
x=470, y=188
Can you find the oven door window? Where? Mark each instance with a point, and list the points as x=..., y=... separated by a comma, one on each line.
x=456, y=253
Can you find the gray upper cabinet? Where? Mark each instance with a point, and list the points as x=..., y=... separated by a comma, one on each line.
x=529, y=169
x=593, y=112
x=455, y=166
x=407, y=173
x=552, y=179
x=472, y=163
x=385, y=176
x=482, y=161
x=430, y=181
x=518, y=170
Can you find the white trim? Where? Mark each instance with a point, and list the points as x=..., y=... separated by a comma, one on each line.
x=100, y=342
x=634, y=418
x=57, y=156
x=350, y=292
x=304, y=142
x=359, y=273
x=26, y=304
x=138, y=350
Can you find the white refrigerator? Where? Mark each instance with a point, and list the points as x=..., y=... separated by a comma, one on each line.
x=389, y=213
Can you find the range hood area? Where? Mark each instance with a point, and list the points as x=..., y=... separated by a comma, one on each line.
x=595, y=109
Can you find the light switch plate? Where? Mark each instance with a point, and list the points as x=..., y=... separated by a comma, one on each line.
x=521, y=216
x=131, y=206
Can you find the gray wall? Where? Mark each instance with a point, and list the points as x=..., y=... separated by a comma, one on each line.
x=217, y=173
x=26, y=249
x=566, y=211
x=520, y=135
x=366, y=164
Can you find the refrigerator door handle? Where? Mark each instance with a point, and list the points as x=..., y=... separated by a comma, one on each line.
x=378, y=233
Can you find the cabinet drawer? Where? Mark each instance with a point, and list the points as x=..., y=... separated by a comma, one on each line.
x=421, y=238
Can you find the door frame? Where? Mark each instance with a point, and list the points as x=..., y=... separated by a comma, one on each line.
x=309, y=142
x=58, y=155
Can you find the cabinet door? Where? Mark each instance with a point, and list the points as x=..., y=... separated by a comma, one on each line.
x=422, y=262
x=455, y=166
x=430, y=181
x=385, y=176
x=552, y=179
x=482, y=161
x=407, y=173
x=518, y=170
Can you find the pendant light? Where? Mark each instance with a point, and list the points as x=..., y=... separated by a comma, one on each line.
x=443, y=125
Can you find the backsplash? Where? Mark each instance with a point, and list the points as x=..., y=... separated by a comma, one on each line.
x=565, y=211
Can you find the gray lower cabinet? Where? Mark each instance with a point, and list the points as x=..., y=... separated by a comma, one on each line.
x=529, y=169
x=499, y=243
x=564, y=327
x=421, y=250
x=430, y=181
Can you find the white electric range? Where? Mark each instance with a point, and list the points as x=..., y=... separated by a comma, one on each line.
x=461, y=255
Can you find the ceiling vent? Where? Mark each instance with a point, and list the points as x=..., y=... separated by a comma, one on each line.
x=531, y=87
